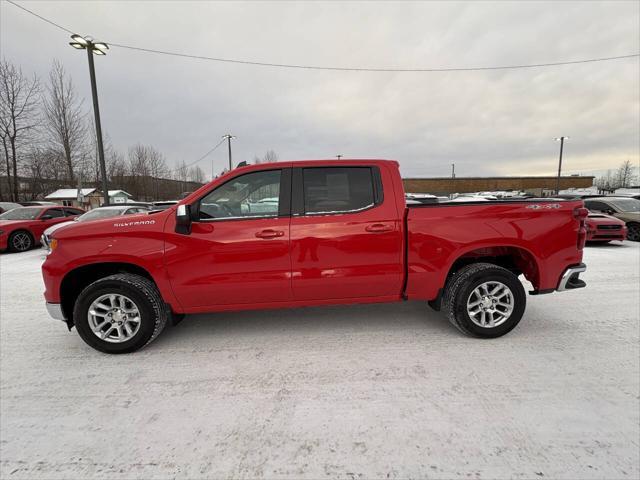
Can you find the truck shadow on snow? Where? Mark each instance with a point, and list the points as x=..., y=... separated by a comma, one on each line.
x=349, y=319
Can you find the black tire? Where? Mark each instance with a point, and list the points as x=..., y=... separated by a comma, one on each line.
x=20, y=241
x=461, y=285
x=153, y=311
x=633, y=232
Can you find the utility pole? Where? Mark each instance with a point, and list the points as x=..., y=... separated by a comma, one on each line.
x=561, y=140
x=229, y=137
x=95, y=48
x=453, y=170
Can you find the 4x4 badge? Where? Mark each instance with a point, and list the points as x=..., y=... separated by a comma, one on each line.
x=546, y=205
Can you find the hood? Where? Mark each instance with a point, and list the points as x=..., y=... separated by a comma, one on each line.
x=602, y=219
x=122, y=224
x=57, y=226
x=14, y=223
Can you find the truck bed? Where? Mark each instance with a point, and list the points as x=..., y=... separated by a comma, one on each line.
x=539, y=234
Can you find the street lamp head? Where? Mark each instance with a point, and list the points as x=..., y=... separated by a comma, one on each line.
x=561, y=138
x=101, y=46
x=79, y=39
x=97, y=52
x=77, y=45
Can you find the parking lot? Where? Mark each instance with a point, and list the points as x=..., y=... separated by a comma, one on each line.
x=383, y=391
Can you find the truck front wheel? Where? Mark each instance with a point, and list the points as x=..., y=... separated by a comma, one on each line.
x=484, y=300
x=120, y=313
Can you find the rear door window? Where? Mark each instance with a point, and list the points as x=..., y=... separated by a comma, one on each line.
x=54, y=213
x=70, y=212
x=337, y=189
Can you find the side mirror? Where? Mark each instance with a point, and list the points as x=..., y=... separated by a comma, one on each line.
x=183, y=219
x=46, y=217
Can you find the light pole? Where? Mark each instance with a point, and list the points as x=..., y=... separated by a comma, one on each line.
x=339, y=156
x=229, y=137
x=95, y=48
x=561, y=140
x=453, y=170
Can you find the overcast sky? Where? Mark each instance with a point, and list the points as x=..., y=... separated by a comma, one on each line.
x=486, y=122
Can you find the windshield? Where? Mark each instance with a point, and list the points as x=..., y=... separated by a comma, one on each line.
x=99, y=213
x=626, y=204
x=21, y=214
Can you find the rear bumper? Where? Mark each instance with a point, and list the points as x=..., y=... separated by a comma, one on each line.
x=55, y=311
x=570, y=279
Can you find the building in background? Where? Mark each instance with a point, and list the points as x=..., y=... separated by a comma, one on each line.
x=538, y=186
x=119, y=196
x=87, y=199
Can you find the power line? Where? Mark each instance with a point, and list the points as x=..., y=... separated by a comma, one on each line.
x=40, y=17
x=369, y=69
x=341, y=69
x=198, y=160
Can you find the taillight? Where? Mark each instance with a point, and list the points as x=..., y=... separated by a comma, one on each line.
x=581, y=214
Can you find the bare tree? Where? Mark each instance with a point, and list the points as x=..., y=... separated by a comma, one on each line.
x=196, y=175
x=18, y=118
x=269, y=157
x=139, y=169
x=65, y=121
x=181, y=173
x=157, y=169
x=625, y=175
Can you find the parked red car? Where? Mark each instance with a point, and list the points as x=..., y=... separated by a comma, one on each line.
x=306, y=233
x=21, y=228
x=604, y=228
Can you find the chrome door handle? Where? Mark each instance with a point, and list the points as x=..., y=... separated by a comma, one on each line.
x=270, y=233
x=378, y=228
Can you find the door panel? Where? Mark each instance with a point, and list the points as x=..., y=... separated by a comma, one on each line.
x=345, y=255
x=238, y=251
x=226, y=262
x=39, y=227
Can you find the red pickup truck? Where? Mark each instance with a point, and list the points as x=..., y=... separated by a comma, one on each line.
x=304, y=233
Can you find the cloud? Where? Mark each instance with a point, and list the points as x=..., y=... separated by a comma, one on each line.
x=491, y=122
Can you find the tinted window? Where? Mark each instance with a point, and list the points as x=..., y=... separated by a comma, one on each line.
x=337, y=189
x=253, y=194
x=54, y=213
x=597, y=206
x=73, y=211
x=135, y=210
x=626, y=204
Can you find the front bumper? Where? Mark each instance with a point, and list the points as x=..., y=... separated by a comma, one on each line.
x=570, y=279
x=55, y=311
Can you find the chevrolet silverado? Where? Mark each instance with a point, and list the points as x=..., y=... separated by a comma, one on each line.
x=305, y=233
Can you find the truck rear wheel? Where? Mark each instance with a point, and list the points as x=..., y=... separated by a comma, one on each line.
x=484, y=300
x=120, y=313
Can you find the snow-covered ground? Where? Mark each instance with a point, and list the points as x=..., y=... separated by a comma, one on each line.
x=384, y=391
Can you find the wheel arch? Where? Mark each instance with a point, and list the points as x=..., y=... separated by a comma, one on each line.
x=80, y=277
x=516, y=259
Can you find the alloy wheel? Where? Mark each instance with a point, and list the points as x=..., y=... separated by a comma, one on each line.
x=114, y=318
x=490, y=304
